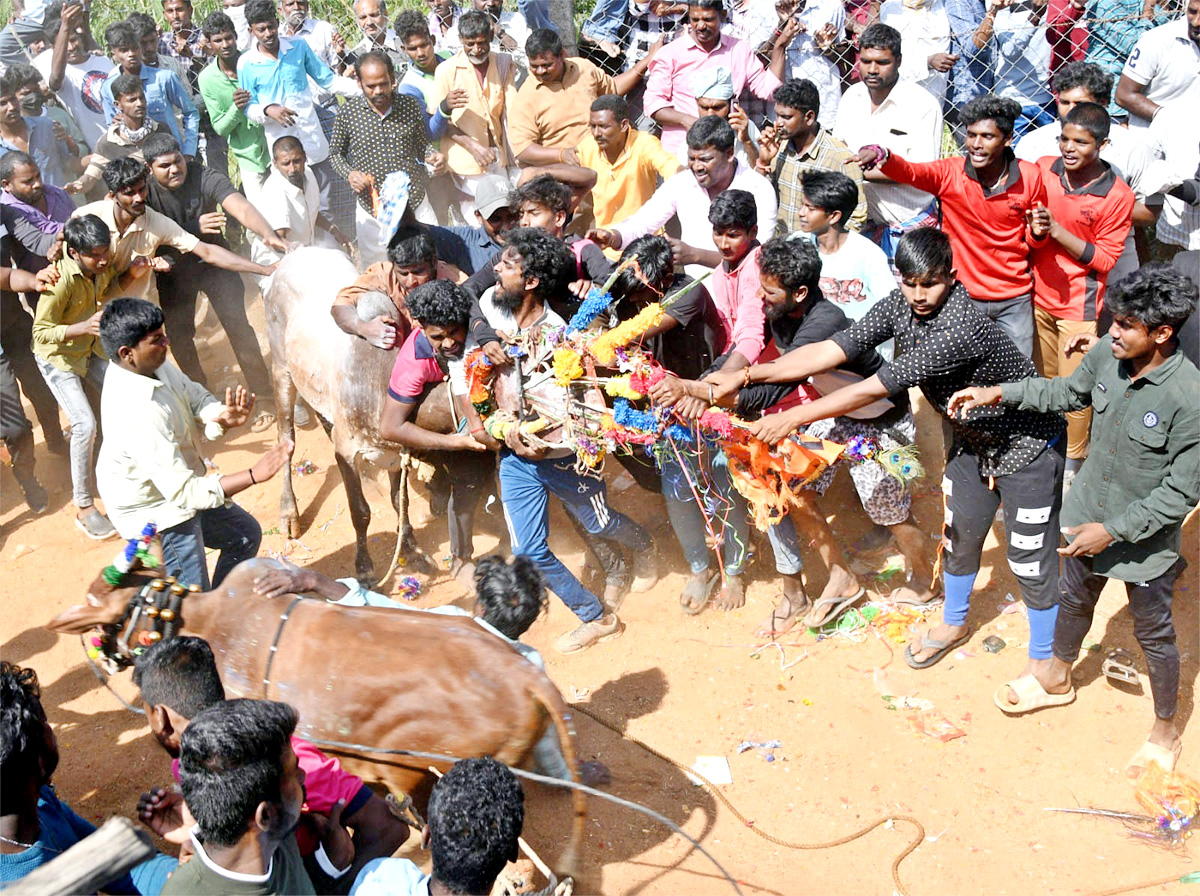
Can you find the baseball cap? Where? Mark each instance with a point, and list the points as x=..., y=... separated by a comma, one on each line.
x=492, y=193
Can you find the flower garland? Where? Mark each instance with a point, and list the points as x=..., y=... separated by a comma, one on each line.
x=604, y=347
x=135, y=549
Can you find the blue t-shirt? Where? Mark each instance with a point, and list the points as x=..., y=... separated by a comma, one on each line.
x=62, y=829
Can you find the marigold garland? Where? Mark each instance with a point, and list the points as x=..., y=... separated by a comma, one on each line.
x=568, y=365
x=604, y=347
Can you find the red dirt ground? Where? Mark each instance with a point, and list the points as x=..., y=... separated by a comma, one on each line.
x=695, y=687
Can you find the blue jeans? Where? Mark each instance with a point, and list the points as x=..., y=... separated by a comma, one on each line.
x=1032, y=117
x=786, y=545
x=525, y=488
x=1014, y=317
x=536, y=13
x=229, y=529
x=606, y=22
x=69, y=390
x=727, y=508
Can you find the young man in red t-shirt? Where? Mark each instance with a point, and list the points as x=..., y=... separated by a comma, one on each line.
x=1078, y=235
x=984, y=197
x=432, y=353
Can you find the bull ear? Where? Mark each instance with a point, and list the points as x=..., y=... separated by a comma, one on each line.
x=78, y=619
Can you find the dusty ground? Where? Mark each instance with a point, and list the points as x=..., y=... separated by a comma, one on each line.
x=693, y=687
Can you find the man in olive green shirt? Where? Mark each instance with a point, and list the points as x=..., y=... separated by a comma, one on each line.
x=1142, y=477
x=226, y=103
x=66, y=347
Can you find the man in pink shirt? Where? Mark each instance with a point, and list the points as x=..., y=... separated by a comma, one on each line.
x=735, y=281
x=669, y=98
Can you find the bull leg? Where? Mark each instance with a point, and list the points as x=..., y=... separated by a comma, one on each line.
x=285, y=398
x=360, y=516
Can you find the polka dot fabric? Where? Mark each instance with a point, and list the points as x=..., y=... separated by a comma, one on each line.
x=378, y=145
x=956, y=347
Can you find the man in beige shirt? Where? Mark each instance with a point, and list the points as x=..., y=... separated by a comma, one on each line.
x=548, y=119
x=474, y=89
x=139, y=231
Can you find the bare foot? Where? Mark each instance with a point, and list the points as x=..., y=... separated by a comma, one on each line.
x=1053, y=675
x=732, y=594
x=941, y=633
x=464, y=573
x=785, y=615
x=609, y=47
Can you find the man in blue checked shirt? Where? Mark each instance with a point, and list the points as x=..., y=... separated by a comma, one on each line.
x=276, y=72
x=165, y=93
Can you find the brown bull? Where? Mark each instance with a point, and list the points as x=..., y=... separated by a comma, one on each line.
x=462, y=691
x=344, y=379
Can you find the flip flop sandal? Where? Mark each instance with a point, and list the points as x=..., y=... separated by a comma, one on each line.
x=839, y=605
x=265, y=420
x=1030, y=696
x=1118, y=666
x=697, y=593
x=936, y=601
x=941, y=647
x=1148, y=753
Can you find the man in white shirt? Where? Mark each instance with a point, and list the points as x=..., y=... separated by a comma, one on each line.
x=75, y=74
x=371, y=16
x=882, y=109
x=321, y=36
x=712, y=169
x=1163, y=67
x=924, y=28
x=1126, y=150
x=1175, y=136
x=811, y=54
x=151, y=466
x=482, y=790
x=290, y=201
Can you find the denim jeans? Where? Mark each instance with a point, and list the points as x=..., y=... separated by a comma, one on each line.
x=525, y=488
x=1032, y=117
x=69, y=391
x=727, y=513
x=1014, y=317
x=536, y=13
x=228, y=529
x=786, y=545
x=606, y=22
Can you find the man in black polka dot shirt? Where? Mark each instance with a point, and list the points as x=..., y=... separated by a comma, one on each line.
x=1009, y=458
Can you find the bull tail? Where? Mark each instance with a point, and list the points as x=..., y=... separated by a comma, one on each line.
x=560, y=716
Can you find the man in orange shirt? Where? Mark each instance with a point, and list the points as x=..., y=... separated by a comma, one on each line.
x=985, y=197
x=1078, y=236
x=475, y=88
x=412, y=260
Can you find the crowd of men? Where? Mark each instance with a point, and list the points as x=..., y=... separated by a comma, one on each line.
x=995, y=203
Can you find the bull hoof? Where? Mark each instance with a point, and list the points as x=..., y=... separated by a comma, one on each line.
x=417, y=561
x=365, y=573
x=291, y=525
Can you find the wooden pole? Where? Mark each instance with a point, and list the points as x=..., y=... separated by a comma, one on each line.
x=90, y=864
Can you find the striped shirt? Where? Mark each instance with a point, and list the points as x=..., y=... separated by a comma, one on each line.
x=825, y=153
